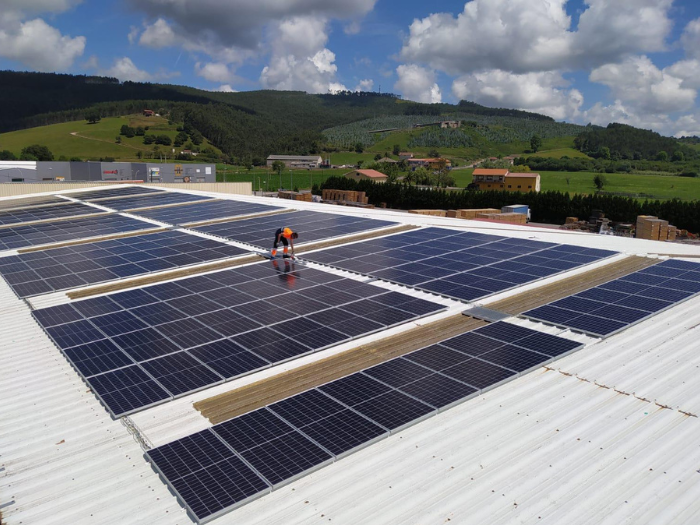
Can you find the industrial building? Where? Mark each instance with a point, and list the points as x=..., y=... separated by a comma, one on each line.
x=502, y=179
x=296, y=161
x=161, y=372
x=374, y=175
x=37, y=171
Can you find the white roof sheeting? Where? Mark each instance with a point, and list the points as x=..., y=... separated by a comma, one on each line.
x=609, y=434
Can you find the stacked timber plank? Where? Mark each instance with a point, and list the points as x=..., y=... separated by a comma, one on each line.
x=509, y=218
x=655, y=229
x=295, y=195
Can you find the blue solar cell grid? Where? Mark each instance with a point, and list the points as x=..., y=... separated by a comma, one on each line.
x=73, y=266
x=464, y=266
x=28, y=202
x=56, y=211
x=151, y=200
x=14, y=237
x=113, y=192
x=311, y=226
x=196, y=332
x=611, y=307
x=292, y=437
x=205, y=211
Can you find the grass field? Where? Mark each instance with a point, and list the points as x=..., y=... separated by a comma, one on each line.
x=263, y=179
x=561, y=152
x=658, y=187
x=91, y=141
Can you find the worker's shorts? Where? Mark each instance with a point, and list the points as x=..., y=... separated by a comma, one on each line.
x=282, y=238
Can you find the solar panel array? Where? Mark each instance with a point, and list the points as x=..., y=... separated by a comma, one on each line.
x=311, y=226
x=113, y=192
x=151, y=200
x=48, y=212
x=19, y=236
x=613, y=306
x=73, y=266
x=461, y=265
x=206, y=211
x=28, y=202
x=224, y=467
x=144, y=346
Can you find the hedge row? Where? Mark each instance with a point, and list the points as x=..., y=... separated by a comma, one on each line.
x=548, y=206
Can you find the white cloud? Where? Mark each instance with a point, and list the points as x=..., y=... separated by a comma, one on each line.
x=365, y=85
x=691, y=39
x=300, y=60
x=643, y=86
x=40, y=46
x=226, y=88
x=547, y=93
x=125, y=69
x=535, y=35
x=158, y=35
x=417, y=83
x=214, y=72
x=239, y=23
x=336, y=87
x=35, y=43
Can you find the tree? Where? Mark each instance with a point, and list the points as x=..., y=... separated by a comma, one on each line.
x=149, y=139
x=662, y=156
x=7, y=155
x=140, y=131
x=535, y=143
x=38, y=152
x=409, y=178
x=164, y=140
x=359, y=147
x=678, y=156
x=196, y=137
x=599, y=181
x=434, y=154
x=118, y=139
x=93, y=116
x=604, y=153
x=396, y=150
x=359, y=164
x=377, y=156
x=278, y=166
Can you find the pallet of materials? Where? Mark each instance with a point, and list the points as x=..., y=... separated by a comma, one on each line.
x=295, y=195
x=470, y=214
x=510, y=218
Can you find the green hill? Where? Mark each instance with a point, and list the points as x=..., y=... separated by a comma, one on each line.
x=94, y=141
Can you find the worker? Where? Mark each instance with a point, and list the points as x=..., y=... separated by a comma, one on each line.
x=286, y=236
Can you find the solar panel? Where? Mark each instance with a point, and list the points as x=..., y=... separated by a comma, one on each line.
x=311, y=226
x=56, y=211
x=29, y=202
x=71, y=266
x=113, y=192
x=150, y=200
x=205, y=211
x=454, y=264
x=207, y=476
x=188, y=338
x=604, y=310
x=20, y=236
x=292, y=437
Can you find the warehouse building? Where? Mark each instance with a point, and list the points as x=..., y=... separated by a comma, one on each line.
x=37, y=171
x=296, y=161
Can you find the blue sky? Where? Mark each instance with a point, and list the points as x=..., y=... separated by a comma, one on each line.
x=633, y=61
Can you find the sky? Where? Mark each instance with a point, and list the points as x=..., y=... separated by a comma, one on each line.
x=598, y=61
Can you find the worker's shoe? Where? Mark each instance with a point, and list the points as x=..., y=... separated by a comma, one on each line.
x=274, y=253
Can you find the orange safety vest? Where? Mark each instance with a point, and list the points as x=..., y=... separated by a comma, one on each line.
x=287, y=233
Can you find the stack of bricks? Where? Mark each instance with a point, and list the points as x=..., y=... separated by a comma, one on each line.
x=350, y=198
x=295, y=195
x=510, y=218
x=434, y=213
x=655, y=229
x=470, y=214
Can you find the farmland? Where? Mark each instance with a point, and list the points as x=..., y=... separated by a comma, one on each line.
x=91, y=141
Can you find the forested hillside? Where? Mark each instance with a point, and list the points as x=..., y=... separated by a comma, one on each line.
x=620, y=141
x=246, y=126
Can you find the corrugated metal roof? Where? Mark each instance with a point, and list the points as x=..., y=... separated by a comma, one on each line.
x=606, y=435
